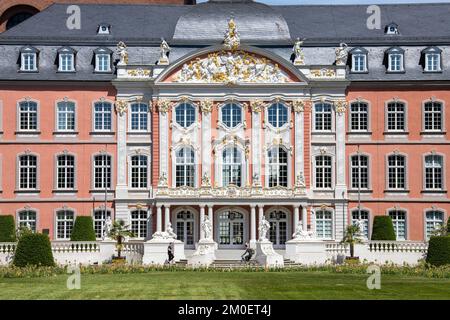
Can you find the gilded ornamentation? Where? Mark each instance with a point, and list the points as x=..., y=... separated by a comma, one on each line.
x=206, y=106
x=123, y=53
x=139, y=73
x=231, y=67
x=231, y=39
x=206, y=182
x=341, y=107
x=341, y=54
x=298, y=106
x=121, y=107
x=300, y=181
x=257, y=106
x=298, y=52
x=323, y=73
x=164, y=105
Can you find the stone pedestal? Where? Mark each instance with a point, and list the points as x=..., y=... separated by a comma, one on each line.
x=306, y=251
x=266, y=256
x=205, y=253
x=107, y=250
x=155, y=251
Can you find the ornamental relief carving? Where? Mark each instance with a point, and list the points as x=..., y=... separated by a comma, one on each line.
x=164, y=105
x=231, y=67
x=206, y=106
x=121, y=107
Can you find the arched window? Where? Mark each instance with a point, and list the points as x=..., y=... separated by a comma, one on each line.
x=100, y=217
x=139, y=171
x=28, y=116
x=360, y=171
x=139, y=223
x=278, y=167
x=396, y=116
x=231, y=115
x=399, y=221
x=277, y=115
x=323, y=117
x=434, y=219
x=396, y=172
x=434, y=172
x=64, y=224
x=323, y=172
x=185, y=167
x=185, y=114
x=231, y=228
x=359, y=116
x=139, y=117
x=231, y=167
x=102, y=171
x=28, y=219
x=363, y=215
x=432, y=114
x=28, y=172
x=65, y=114
x=102, y=116
x=185, y=224
x=65, y=167
x=278, y=232
x=324, y=224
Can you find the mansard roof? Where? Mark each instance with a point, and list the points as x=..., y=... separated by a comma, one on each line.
x=257, y=23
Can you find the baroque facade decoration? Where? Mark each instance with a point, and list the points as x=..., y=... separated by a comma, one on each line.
x=228, y=127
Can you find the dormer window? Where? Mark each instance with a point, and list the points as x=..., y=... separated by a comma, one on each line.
x=66, y=59
x=431, y=58
x=102, y=60
x=28, y=59
x=391, y=28
x=359, y=60
x=104, y=28
x=395, y=60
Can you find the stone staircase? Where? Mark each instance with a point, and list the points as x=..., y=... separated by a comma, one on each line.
x=233, y=264
x=291, y=264
x=181, y=263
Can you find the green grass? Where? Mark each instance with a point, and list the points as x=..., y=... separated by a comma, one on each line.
x=226, y=285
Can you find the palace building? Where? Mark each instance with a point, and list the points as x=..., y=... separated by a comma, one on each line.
x=235, y=110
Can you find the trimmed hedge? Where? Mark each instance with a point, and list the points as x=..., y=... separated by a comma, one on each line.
x=83, y=229
x=448, y=226
x=383, y=228
x=438, y=251
x=7, y=229
x=34, y=249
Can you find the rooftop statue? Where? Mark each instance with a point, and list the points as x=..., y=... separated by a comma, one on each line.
x=231, y=40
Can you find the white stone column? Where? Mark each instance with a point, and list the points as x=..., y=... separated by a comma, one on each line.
x=211, y=218
x=202, y=218
x=166, y=216
x=206, y=108
x=257, y=112
x=296, y=216
x=299, y=130
x=121, y=188
x=158, y=218
x=341, y=187
x=260, y=214
x=304, y=218
x=163, y=142
x=253, y=226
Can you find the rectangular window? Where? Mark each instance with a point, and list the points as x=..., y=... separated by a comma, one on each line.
x=27, y=219
x=139, y=172
x=64, y=224
x=66, y=62
x=103, y=62
x=434, y=172
x=359, y=63
x=139, y=117
x=395, y=62
x=359, y=116
x=139, y=223
x=66, y=172
x=28, y=62
x=397, y=172
x=434, y=220
x=323, y=170
x=323, y=117
x=28, y=116
x=102, y=116
x=27, y=172
x=102, y=172
x=360, y=172
x=396, y=116
x=433, y=116
x=399, y=220
x=432, y=62
x=100, y=217
x=324, y=224
x=66, y=116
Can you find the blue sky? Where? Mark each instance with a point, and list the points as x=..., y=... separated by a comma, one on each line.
x=342, y=1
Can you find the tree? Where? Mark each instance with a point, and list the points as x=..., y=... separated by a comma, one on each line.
x=33, y=249
x=119, y=231
x=352, y=236
x=383, y=228
x=7, y=229
x=83, y=229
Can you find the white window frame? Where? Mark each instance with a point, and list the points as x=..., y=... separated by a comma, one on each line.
x=321, y=234
x=323, y=173
x=232, y=164
x=28, y=167
x=141, y=224
x=22, y=222
x=277, y=166
x=184, y=105
x=66, y=167
x=443, y=171
x=278, y=105
x=23, y=62
x=239, y=124
x=66, y=223
x=19, y=113
x=405, y=117
x=57, y=118
x=315, y=117
x=396, y=222
x=94, y=167
x=185, y=166
x=434, y=221
x=354, y=64
x=66, y=66
x=405, y=188
x=103, y=113
x=359, y=212
x=400, y=62
x=142, y=183
x=429, y=55
x=351, y=167
x=358, y=114
x=139, y=113
x=98, y=61
x=101, y=221
x=433, y=116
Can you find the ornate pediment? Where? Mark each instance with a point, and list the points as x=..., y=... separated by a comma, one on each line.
x=231, y=67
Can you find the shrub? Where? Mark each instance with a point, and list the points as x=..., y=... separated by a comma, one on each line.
x=33, y=249
x=448, y=226
x=438, y=251
x=83, y=229
x=383, y=229
x=7, y=229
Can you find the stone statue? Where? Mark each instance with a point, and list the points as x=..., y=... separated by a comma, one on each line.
x=207, y=228
x=162, y=180
x=361, y=225
x=264, y=227
x=164, y=50
x=298, y=52
x=169, y=231
x=107, y=228
x=300, y=180
x=301, y=234
x=123, y=53
x=341, y=54
x=231, y=39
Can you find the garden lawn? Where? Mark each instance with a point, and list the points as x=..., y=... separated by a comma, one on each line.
x=226, y=285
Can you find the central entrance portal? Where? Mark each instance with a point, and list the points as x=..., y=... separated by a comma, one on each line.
x=231, y=229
